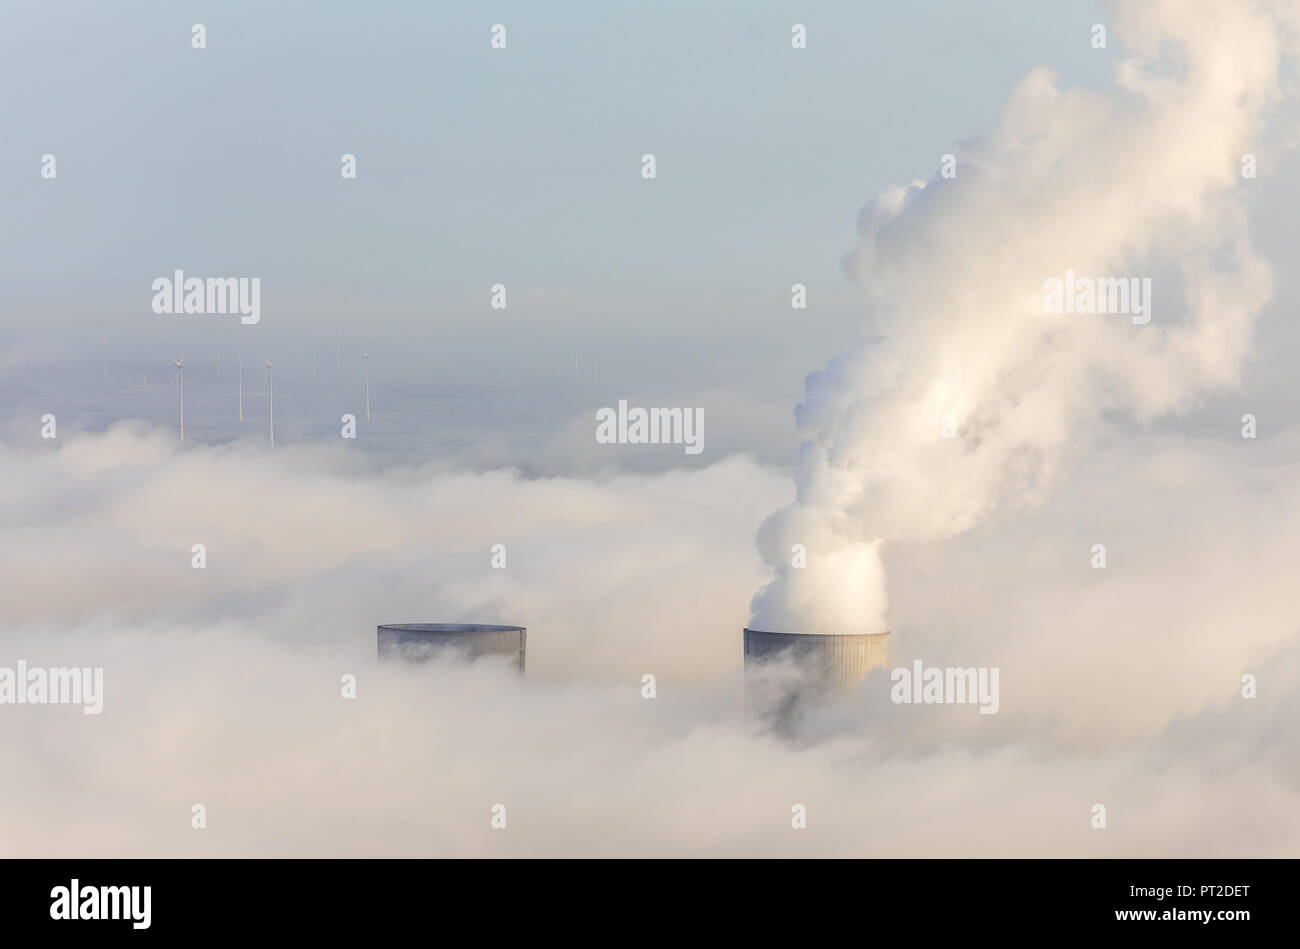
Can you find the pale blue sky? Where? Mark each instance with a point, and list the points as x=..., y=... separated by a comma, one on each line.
x=480, y=165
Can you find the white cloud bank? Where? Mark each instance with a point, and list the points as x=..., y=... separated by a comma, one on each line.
x=222, y=686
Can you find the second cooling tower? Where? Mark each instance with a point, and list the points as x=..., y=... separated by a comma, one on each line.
x=415, y=642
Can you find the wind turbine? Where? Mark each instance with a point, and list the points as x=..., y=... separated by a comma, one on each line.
x=180, y=385
x=270, y=393
x=365, y=360
x=239, y=354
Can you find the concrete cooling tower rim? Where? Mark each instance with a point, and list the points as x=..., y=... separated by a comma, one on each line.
x=782, y=632
x=451, y=628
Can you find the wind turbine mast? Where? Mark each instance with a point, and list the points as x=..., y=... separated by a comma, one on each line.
x=270, y=393
x=239, y=354
x=365, y=359
x=180, y=385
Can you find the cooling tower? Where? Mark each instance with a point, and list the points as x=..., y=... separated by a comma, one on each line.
x=785, y=669
x=416, y=642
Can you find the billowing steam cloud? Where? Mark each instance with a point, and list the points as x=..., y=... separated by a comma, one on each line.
x=1141, y=181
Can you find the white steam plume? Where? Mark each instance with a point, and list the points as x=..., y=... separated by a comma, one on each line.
x=1139, y=181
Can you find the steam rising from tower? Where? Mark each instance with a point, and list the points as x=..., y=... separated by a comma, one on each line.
x=972, y=394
